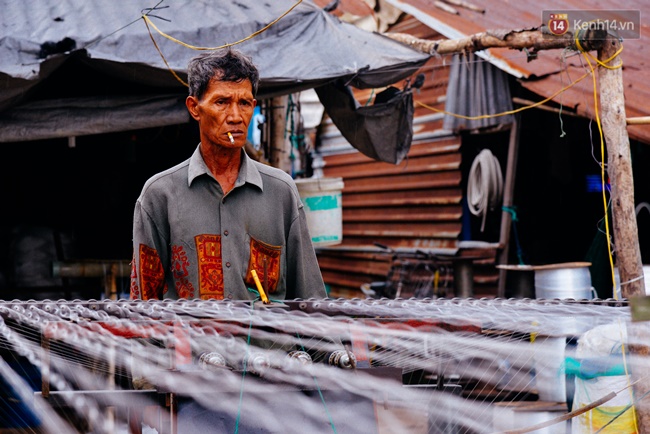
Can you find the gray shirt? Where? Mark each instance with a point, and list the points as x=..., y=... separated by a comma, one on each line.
x=192, y=241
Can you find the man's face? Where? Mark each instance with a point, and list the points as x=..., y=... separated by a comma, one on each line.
x=226, y=107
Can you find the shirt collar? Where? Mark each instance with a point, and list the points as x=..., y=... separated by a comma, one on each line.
x=248, y=172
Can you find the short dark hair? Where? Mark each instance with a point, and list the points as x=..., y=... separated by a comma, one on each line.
x=226, y=65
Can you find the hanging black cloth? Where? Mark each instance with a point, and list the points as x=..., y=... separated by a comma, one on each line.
x=382, y=131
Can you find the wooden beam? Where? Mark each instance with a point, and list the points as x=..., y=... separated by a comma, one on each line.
x=527, y=102
x=533, y=40
x=641, y=120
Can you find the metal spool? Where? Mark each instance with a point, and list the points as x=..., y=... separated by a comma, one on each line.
x=571, y=280
x=301, y=357
x=212, y=360
x=343, y=359
x=258, y=364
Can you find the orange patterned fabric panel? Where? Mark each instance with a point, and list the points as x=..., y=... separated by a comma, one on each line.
x=180, y=264
x=265, y=260
x=152, y=275
x=208, y=249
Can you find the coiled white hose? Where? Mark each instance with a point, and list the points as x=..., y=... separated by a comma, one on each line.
x=485, y=185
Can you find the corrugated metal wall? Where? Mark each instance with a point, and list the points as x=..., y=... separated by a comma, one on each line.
x=413, y=204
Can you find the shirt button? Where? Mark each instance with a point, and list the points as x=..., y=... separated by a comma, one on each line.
x=230, y=296
x=225, y=233
x=228, y=264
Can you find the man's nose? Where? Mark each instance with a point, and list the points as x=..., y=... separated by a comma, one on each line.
x=234, y=113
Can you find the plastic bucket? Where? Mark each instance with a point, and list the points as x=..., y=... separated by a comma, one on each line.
x=564, y=282
x=600, y=356
x=322, y=200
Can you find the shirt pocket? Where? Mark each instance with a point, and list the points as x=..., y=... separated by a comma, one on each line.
x=265, y=260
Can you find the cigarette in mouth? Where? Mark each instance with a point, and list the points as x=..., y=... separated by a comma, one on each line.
x=232, y=141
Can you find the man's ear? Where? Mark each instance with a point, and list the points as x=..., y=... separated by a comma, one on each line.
x=192, y=106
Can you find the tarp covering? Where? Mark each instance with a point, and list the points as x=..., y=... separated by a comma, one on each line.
x=305, y=49
x=84, y=116
x=382, y=131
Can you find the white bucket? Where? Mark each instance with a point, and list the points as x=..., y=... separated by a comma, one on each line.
x=323, y=208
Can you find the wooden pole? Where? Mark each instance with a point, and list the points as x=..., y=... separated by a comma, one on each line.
x=626, y=235
x=508, y=200
x=619, y=170
x=279, y=146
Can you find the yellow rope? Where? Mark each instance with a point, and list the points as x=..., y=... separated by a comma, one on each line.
x=148, y=22
x=252, y=35
x=604, y=64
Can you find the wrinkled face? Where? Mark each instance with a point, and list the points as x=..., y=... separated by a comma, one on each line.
x=226, y=107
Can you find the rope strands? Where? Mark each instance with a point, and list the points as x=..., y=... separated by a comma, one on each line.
x=484, y=185
x=104, y=356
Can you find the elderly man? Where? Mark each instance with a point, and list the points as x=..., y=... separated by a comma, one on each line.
x=203, y=228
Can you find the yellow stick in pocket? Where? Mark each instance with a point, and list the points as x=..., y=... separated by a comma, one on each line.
x=263, y=296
